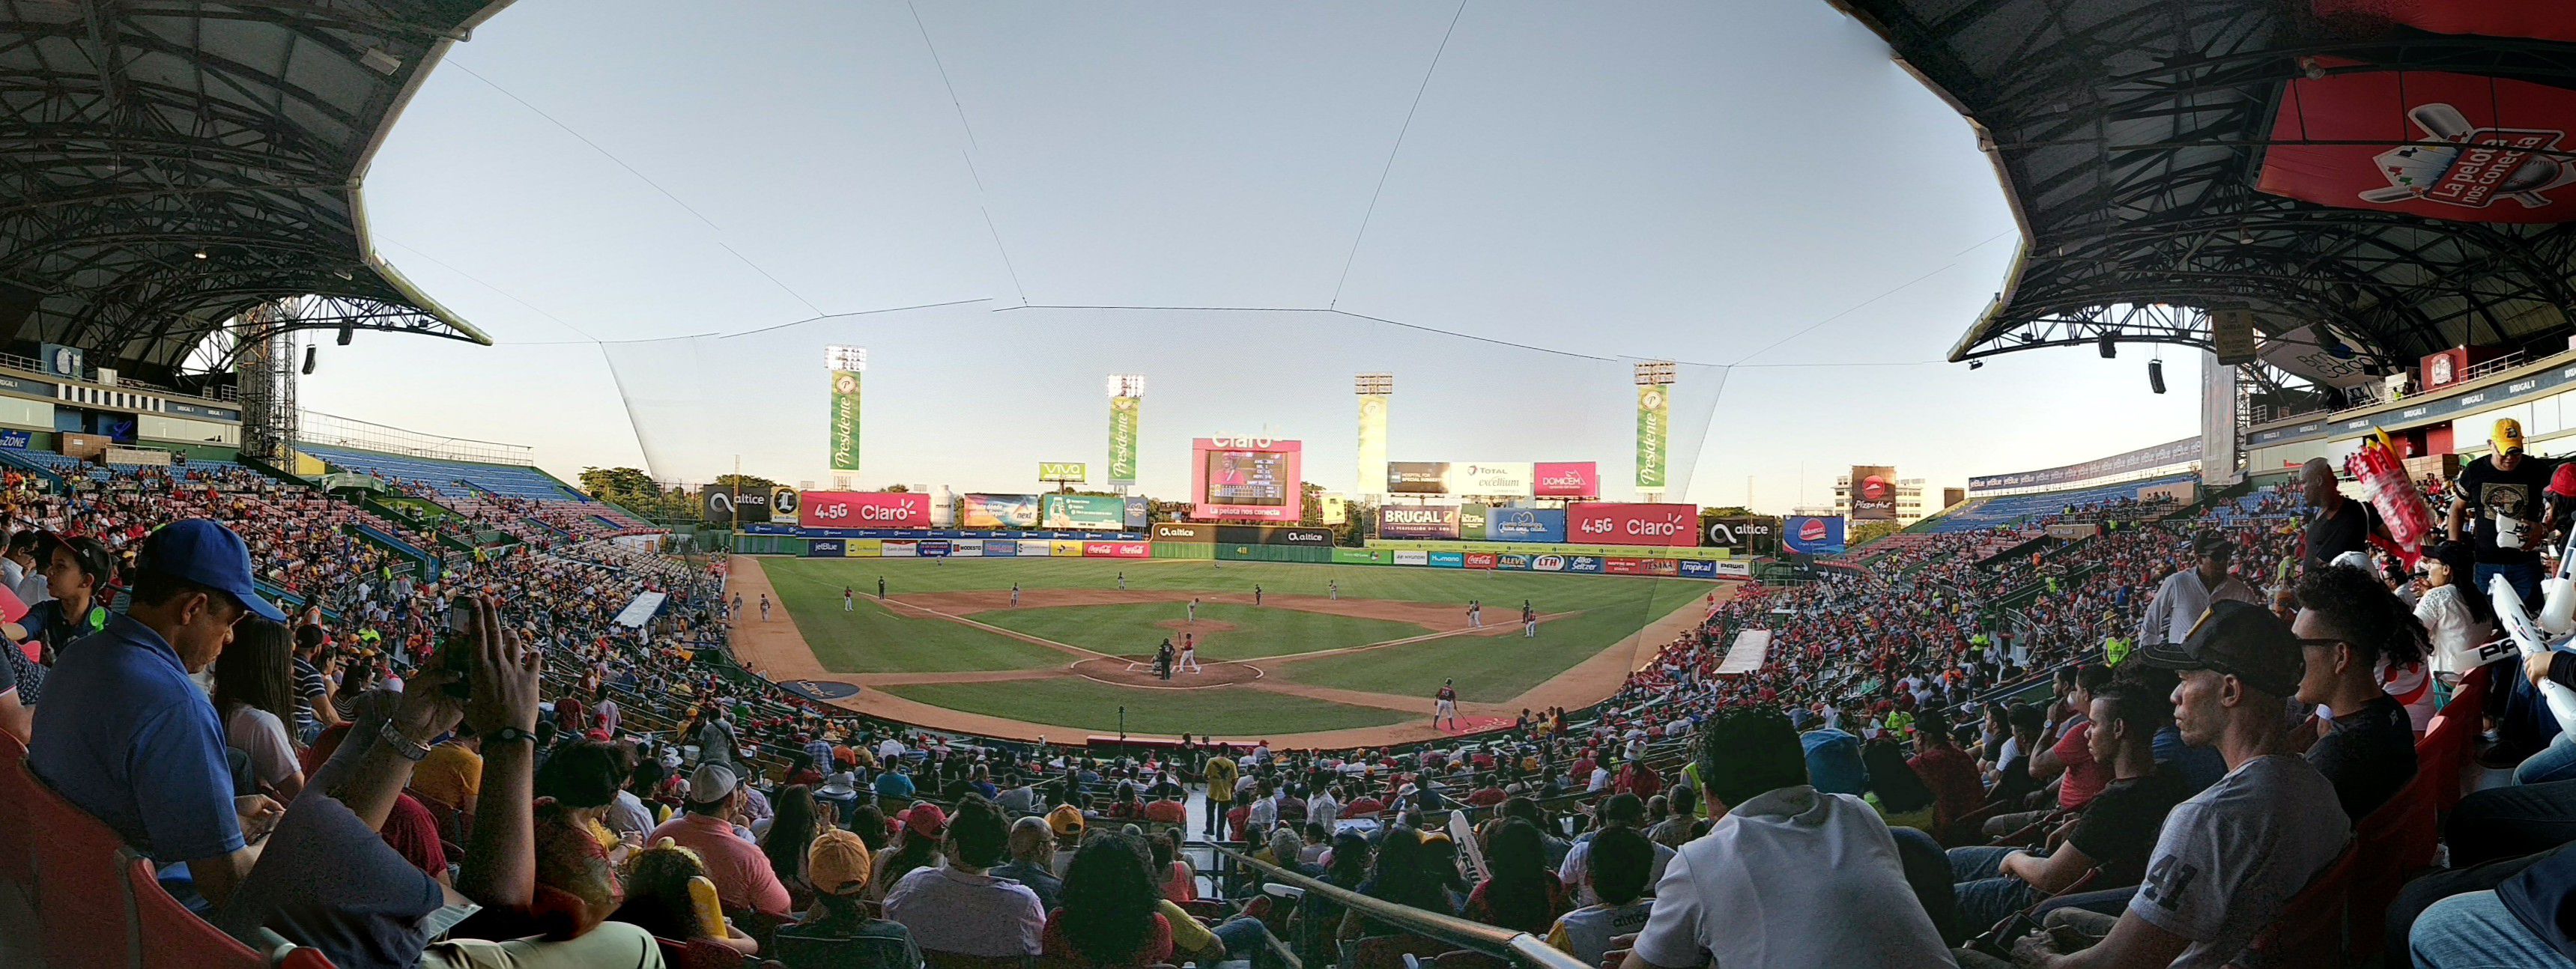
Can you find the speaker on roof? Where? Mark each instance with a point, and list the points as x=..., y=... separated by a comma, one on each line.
x=2156, y=375
x=2109, y=349
x=308, y=360
x=345, y=333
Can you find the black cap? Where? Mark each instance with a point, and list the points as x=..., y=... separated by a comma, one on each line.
x=2240, y=639
x=2213, y=544
x=89, y=553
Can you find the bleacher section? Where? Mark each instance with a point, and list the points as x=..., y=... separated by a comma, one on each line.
x=521, y=501
x=2008, y=509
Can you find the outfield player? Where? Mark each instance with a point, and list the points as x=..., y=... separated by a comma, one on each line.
x=1015, y=595
x=1529, y=621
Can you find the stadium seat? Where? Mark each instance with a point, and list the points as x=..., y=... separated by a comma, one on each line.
x=79, y=885
x=2310, y=929
x=958, y=960
x=2448, y=738
x=2393, y=844
x=1388, y=951
x=172, y=936
x=16, y=847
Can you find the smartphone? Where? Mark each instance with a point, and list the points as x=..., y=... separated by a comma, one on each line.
x=457, y=655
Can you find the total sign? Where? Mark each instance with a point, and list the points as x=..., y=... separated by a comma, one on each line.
x=1604, y=523
x=864, y=509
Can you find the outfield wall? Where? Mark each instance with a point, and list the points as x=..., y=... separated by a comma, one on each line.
x=1580, y=560
x=1704, y=554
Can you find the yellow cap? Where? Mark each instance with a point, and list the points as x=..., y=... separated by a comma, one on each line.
x=1065, y=820
x=838, y=863
x=2507, y=436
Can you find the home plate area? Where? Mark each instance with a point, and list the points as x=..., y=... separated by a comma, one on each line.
x=1140, y=672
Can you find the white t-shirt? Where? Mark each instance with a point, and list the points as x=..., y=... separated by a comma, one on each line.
x=2232, y=855
x=258, y=733
x=1792, y=877
x=1575, y=871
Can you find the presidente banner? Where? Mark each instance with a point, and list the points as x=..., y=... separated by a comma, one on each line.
x=1254, y=478
x=1616, y=523
x=863, y=509
x=997, y=511
x=1813, y=536
x=1873, y=492
x=2433, y=144
x=1417, y=521
x=1525, y=525
x=1654, y=426
x=1101, y=512
x=1565, y=479
x=1417, y=477
x=1372, y=444
x=1123, y=415
x=845, y=420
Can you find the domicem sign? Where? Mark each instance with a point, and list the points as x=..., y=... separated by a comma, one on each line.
x=864, y=509
x=1566, y=479
x=1603, y=523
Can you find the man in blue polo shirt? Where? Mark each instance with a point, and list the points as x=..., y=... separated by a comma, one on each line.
x=128, y=738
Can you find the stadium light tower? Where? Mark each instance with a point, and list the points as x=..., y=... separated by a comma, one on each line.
x=846, y=364
x=1373, y=390
x=1654, y=425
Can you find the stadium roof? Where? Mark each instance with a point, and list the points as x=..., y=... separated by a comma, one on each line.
x=171, y=164
x=2150, y=150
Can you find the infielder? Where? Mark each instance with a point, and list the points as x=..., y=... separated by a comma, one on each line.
x=1444, y=705
x=1015, y=595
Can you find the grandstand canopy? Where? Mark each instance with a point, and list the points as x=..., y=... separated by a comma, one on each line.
x=2220, y=154
x=171, y=164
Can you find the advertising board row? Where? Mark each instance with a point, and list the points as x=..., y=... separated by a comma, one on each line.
x=1554, y=548
x=1205, y=533
x=869, y=509
x=1547, y=562
x=1495, y=479
x=934, y=548
x=1586, y=523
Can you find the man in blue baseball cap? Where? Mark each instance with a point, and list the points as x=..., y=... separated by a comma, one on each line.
x=129, y=738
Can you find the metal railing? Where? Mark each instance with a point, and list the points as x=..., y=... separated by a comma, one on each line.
x=1522, y=948
x=332, y=430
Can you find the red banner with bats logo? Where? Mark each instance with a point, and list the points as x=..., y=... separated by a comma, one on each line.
x=2428, y=143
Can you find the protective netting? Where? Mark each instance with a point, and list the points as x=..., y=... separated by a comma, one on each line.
x=972, y=396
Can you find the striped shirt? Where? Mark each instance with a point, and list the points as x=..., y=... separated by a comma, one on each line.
x=311, y=687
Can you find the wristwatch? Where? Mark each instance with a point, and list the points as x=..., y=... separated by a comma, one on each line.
x=509, y=734
x=401, y=745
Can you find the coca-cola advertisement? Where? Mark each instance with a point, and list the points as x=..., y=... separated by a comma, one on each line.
x=1613, y=523
x=1566, y=479
x=864, y=509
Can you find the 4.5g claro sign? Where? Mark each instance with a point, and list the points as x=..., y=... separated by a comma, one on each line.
x=1607, y=523
x=864, y=509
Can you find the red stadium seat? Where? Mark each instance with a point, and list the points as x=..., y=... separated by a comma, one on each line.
x=17, y=848
x=2447, y=740
x=2391, y=845
x=79, y=885
x=174, y=937
x=2310, y=929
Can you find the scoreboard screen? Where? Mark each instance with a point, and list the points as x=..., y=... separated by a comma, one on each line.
x=1256, y=478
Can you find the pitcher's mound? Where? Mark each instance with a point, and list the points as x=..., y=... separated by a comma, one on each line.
x=1115, y=671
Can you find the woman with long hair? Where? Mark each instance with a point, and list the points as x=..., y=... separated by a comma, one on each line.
x=919, y=849
x=791, y=834
x=1404, y=874
x=255, y=696
x=1521, y=893
x=1179, y=882
x=1109, y=916
x=1895, y=789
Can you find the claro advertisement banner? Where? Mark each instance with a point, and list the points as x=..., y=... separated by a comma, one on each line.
x=863, y=509
x=1813, y=536
x=2427, y=143
x=1417, y=521
x=1565, y=479
x=1611, y=523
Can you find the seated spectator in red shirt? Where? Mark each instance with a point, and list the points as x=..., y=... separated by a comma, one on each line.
x=1947, y=770
x=1364, y=806
x=1166, y=811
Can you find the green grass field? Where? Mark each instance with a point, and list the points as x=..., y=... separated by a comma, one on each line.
x=1489, y=669
x=1135, y=630
x=1086, y=705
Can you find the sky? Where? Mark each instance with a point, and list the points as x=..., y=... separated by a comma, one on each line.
x=1758, y=188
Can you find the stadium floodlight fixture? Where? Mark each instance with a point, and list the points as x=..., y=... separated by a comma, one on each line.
x=1126, y=385
x=837, y=357
x=1373, y=384
x=1655, y=373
